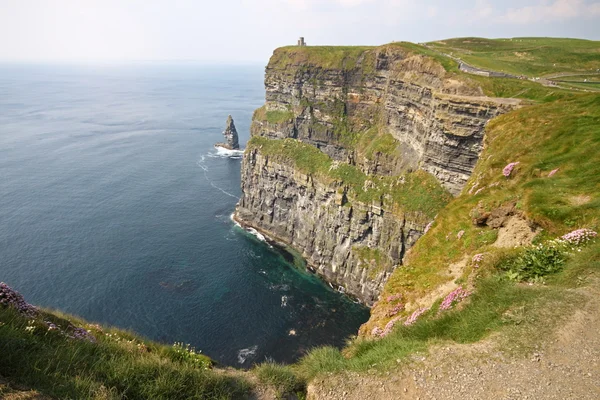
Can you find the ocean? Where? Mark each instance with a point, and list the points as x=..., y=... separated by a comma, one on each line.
x=115, y=206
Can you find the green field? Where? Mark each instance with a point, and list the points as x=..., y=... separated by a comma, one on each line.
x=532, y=57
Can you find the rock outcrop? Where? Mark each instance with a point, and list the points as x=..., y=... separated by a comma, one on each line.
x=231, y=136
x=385, y=111
x=353, y=246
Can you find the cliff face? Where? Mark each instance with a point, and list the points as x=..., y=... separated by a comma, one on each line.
x=385, y=113
x=353, y=246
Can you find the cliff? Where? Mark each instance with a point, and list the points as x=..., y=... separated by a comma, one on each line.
x=396, y=135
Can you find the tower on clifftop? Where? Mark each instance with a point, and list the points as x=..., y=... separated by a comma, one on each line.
x=301, y=42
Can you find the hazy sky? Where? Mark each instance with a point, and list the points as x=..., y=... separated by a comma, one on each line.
x=249, y=30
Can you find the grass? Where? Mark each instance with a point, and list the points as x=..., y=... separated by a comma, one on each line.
x=561, y=132
x=119, y=365
x=375, y=141
x=525, y=56
x=518, y=311
x=280, y=377
x=564, y=134
x=327, y=57
x=417, y=192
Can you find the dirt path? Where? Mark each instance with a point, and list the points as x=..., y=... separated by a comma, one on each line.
x=566, y=366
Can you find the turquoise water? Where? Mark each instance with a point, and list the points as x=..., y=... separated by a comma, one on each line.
x=114, y=206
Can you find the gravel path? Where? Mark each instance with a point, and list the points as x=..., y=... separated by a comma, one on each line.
x=567, y=366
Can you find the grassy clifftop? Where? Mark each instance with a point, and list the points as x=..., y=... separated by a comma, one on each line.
x=527, y=56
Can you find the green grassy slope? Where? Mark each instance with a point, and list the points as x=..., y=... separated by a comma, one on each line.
x=527, y=56
x=563, y=135
x=116, y=365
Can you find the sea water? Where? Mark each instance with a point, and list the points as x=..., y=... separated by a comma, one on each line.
x=115, y=206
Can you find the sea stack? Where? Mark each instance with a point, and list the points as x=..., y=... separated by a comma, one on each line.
x=231, y=136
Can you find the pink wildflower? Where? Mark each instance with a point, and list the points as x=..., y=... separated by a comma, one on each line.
x=508, y=169
x=579, y=236
x=389, y=326
x=12, y=298
x=553, y=172
x=377, y=331
x=477, y=258
x=414, y=316
x=395, y=310
x=454, y=297
x=460, y=234
x=394, y=297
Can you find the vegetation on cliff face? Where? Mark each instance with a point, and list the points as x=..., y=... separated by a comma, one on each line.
x=412, y=192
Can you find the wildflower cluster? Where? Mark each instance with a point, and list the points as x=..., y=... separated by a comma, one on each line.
x=380, y=333
x=396, y=310
x=579, y=236
x=130, y=344
x=535, y=262
x=187, y=353
x=477, y=258
x=12, y=298
x=392, y=298
x=415, y=315
x=509, y=168
x=454, y=297
x=82, y=334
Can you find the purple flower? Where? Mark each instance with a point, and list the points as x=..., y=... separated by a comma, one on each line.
x=395, y=310
x=477, y=258
x=377, y=331
x=414, y=316
x=394, y=297
x=579, y=236
x=454, y=297
x=82, y=334
x=12, y=298
x=508, y=169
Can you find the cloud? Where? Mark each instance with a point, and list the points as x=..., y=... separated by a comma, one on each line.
x=544, y=11
x=309, y=4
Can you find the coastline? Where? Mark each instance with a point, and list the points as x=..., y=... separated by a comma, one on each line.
x=284, y=248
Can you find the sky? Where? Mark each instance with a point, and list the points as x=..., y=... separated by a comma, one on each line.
x=247, y=31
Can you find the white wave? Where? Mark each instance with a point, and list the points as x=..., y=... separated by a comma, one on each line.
x=234, y=221
x=243, y=354
x=256, y=233
x=252, y=231
x=226, y=153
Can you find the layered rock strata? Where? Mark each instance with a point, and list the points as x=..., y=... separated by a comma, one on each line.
x=387, y=111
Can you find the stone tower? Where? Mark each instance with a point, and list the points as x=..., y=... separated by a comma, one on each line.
x=301, y=42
